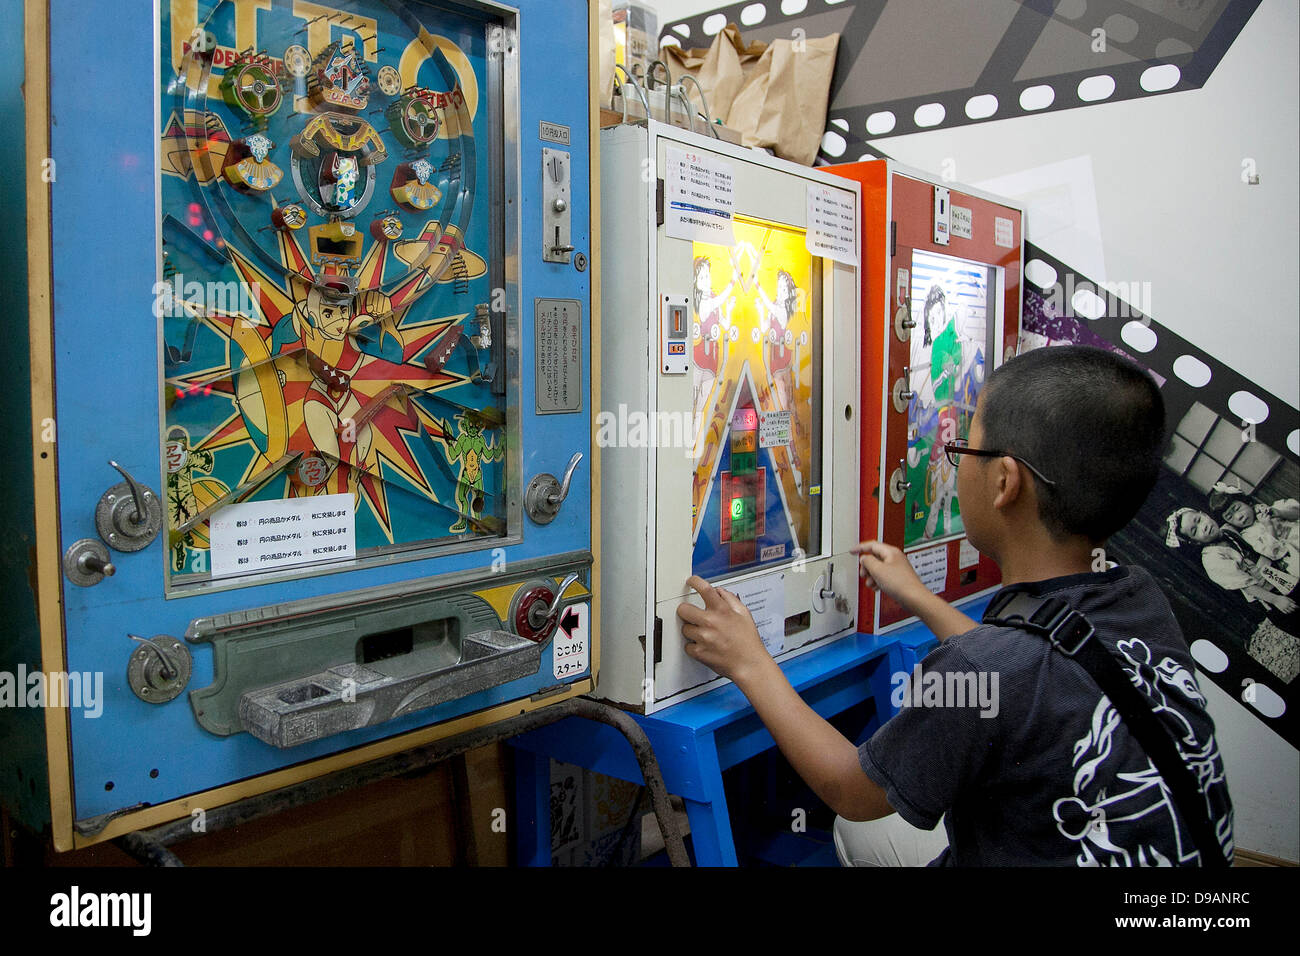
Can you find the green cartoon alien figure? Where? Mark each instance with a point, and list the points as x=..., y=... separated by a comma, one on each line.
x=472, y=451
x=188, y=494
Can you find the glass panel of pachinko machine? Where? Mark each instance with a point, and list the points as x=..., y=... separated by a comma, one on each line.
x=756, y=400
x=955, y=301
x=341, y=365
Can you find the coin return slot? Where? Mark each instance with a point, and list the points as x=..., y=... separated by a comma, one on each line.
x=379, y=647
x=798, y=622
x=390, y=673
x=302, y=694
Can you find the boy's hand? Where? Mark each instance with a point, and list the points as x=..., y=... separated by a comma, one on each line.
x=887, y=569
x=721, y=635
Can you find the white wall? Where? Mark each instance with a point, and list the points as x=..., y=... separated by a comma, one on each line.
x=1151, y=190
x=1221, y=256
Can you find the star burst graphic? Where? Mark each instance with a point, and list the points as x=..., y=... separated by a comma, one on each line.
x=338, y=378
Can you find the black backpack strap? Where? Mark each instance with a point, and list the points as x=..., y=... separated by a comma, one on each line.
x=1071, y=633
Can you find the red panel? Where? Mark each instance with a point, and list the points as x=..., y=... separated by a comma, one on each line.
x=913, y=210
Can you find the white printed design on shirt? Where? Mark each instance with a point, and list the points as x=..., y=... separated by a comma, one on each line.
x=1106, y=825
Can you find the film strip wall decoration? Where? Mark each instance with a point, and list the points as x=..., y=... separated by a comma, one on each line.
x=1221, y=530
x=905, y=67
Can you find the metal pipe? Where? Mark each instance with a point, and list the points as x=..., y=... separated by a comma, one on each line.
x=309, y=791
x=146, y=849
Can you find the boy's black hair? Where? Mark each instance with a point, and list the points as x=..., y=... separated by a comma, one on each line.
x=1090, y=420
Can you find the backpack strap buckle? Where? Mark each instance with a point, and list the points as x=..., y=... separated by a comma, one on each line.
x=1067, y=629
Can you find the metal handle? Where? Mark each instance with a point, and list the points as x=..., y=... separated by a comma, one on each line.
x=830, y=579
x=168, y=669
x=128, y=515
x=559, y=595
x=558, y=497
x=902, y=467
x=545, y=493
x=137, y=494
x=908, y=393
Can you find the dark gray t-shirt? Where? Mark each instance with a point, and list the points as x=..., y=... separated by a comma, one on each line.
x=1050, y=774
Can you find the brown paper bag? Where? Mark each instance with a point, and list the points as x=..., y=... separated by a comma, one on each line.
x=721, y=70
x=774, y=96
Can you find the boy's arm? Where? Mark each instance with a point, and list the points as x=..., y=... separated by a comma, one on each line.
x=887, y=569
x=722, y=636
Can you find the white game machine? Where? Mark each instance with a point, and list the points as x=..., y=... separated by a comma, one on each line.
x=728, y=425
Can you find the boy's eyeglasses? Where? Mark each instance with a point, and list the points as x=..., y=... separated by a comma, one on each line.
x=954, y=449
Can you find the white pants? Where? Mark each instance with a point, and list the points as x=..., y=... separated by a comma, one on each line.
x=889, y=841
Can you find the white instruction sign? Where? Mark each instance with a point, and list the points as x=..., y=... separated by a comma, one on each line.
x=775, y=428
x=962, y=224
x=699, y=196
x=571, y=648
x=765, y=598
x=969, y=556
x=1004, y=233
x=931, y=566
x=262, y=535
x=832, y=224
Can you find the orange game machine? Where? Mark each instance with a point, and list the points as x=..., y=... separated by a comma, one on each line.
x=941, y=295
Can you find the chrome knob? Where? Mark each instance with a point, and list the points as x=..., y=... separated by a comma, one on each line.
x=898, y=483
x=86, y=562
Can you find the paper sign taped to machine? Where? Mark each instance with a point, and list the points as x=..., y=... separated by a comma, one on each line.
x=969, y=556
x=931, y=566
x=1004, y=233
x=699, y=196
x=765, y=598
x=832, y=224
x=571, y=648
x=775, y=428
x=961, y=226
x=261, y=535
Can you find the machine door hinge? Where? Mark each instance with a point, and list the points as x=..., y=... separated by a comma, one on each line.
x=659, y=639
x=893, y=238
x=659, y=202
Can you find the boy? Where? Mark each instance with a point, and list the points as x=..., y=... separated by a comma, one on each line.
x=1064, y=448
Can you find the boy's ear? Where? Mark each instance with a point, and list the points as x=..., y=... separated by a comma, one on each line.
x=1007, y=482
